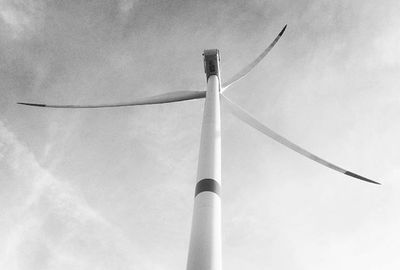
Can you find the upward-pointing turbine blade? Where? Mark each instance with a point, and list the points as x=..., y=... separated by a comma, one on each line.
x=159, y=99
x=249, y=67
x=251, y=121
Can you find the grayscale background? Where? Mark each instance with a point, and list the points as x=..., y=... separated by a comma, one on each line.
x=113, y=188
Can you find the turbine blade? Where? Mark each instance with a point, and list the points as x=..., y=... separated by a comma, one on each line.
x=158, y=99
x=251, y=121
x=249, y=67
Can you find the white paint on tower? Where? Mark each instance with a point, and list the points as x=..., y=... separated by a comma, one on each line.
x=205, y=241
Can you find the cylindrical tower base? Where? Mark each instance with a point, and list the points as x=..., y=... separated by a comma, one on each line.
x=205, y=240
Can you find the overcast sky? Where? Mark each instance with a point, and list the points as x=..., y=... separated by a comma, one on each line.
x=113, y=188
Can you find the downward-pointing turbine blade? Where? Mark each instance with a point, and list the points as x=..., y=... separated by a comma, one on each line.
x=159, y=99
x=251, y=121
x=249, y=67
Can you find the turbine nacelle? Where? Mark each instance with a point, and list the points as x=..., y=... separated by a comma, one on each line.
x=211, y=62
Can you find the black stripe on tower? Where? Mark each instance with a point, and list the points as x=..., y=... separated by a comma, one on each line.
x=207, y=185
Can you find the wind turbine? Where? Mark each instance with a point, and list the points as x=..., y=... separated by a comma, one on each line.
x=205, y=240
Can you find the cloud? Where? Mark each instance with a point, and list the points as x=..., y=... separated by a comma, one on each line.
x=387, y=47
x=126, y=6
x=53, y=227
x=21, y=17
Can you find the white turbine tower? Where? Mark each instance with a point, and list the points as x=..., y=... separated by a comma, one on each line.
x=205, y=240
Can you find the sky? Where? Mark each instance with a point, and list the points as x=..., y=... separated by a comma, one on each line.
x=113, y=188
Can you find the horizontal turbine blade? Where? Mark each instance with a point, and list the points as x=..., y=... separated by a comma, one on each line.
x=159, y=99
x=251, y=121
x=249, y=67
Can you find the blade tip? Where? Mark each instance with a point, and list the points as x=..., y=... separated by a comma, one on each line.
x=283, y=30
x=361, y=178
x=32, y=104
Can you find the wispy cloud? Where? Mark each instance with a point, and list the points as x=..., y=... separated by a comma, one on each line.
x=387, y=47
x=126, y=6
x=54, y=226
x=21, y=17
